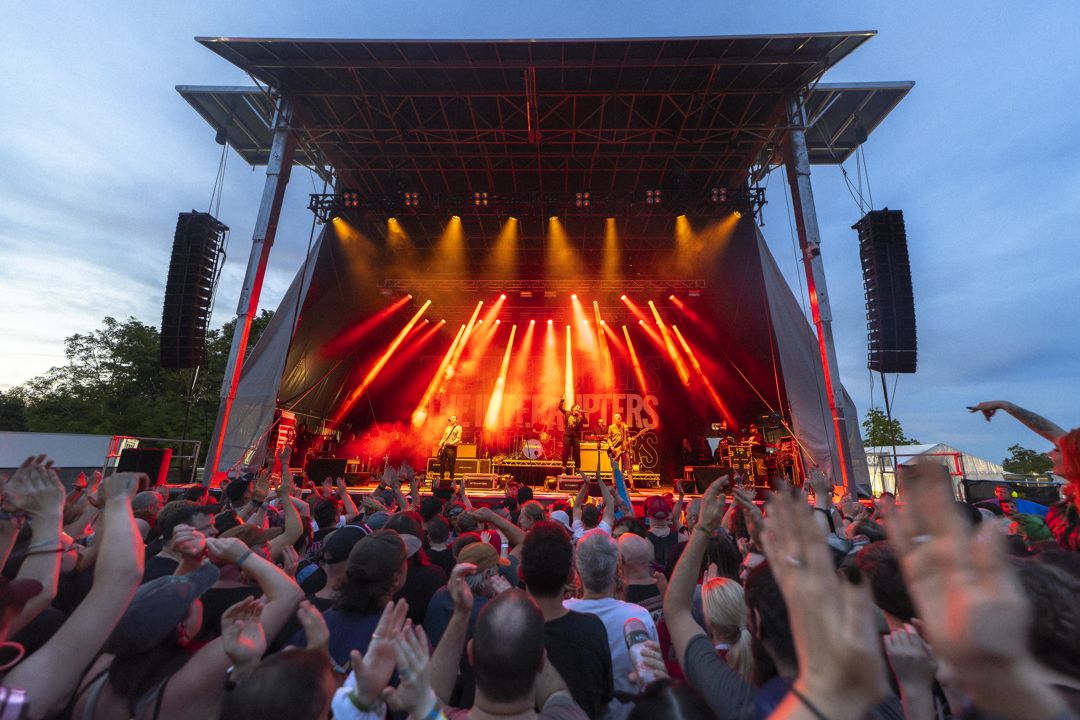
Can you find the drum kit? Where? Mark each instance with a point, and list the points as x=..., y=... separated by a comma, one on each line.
x=533, y=442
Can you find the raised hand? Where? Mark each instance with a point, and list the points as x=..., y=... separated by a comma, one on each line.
x=841, y=668
x=225, y=550
x=290, y=559
x=315, y=629
x=242, y=633
x=414, y=694
x=910, y=657
x=189, y=542
x=261, y=487
x=123, y=485
x=969, y=599
x=755, y=519
x=374, y=669
x=35, y=489
x=712, y=505
x=989, y=407
x=460, y=592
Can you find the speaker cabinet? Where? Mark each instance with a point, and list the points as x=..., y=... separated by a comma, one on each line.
x=189, y=289
x=152, y=461
x=318, y=469
x=890, y=302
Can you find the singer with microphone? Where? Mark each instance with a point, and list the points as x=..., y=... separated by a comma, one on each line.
x=448, y=445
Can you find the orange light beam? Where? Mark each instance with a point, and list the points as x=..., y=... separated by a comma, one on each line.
x=351, y=336
x=524, y=352
x=491, y=418
x=653, y=334
x=680, y=365
x=420, y=413
x=373, y=373
x=718, y=403
x=587, y=338
x=638, y=312
x=549, y=375
x=452, y=367
x=607, y=363
x=568, y=386
x=482, y=338
x=638, y=372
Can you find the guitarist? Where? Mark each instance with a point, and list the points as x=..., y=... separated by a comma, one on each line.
x=621, y=444
x=448, y=445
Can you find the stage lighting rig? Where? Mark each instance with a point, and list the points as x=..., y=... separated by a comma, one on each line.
x=412, y=199
x=581, y=200
x=654, y=197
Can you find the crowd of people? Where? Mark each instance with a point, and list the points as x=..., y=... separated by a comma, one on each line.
x=124, y=600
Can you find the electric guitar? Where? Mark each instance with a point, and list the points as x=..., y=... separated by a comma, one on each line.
x=616, y=450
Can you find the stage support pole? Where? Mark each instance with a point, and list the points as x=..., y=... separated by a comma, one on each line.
x=797, y=164
x=278, y=168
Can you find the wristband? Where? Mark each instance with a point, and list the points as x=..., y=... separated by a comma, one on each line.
x=809, y=705
x=245, y=556
x=42, y=543
x=435, y=713
x=360, y=705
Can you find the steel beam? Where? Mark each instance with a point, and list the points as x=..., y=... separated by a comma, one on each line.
x=278, y=169
x=797, y=164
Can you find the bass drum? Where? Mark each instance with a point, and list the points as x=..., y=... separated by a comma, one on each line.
x=532, y=449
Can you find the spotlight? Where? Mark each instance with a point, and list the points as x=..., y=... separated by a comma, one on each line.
x=497, y=321
x=623, y=298
x=412, y=199
x=581, y=199
x=653, y=197
x=502, y=296
x=640, y=322
x=512, y=219
x=553, y=218
x=410, y=296
x=550, y=321
x=718, y=195
x=350, y=199
x=532, y=322
x=480, y=199
x=455, y=218
x=737, y=214
x=573, y=297
x=670, y=297
x=392, y=221
x=603, y=323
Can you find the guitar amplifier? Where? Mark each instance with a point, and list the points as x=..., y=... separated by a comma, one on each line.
x=463, y=466
x=568, y=483
x=480, y=481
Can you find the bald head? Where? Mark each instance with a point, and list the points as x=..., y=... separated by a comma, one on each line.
x=635, y=551
x=507, y=649
x=148, y=502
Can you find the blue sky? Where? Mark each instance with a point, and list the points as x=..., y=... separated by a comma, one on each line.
x=99, y=153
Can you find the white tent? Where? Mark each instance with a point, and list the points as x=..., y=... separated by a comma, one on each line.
x=961, y=465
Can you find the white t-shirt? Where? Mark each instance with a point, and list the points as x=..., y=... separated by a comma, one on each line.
x=579, y=529
x=614, y=614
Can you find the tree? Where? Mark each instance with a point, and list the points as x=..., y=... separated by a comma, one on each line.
x=1026, y=462
x=12, y=411
x=113, y=384
x=880, y=431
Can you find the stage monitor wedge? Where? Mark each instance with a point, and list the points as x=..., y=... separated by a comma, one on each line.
x=189, y=289
x=890, y=301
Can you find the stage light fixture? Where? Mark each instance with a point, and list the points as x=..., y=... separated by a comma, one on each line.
x=641, y=322
x=391, y=221
x=502, y=296
x=623, y=298
x=455, y=218
x=581, y=199
x=653, y=197
x=574, y=296
x=550, y=321
x=718, y=195
x=737, y=214
x=497, y=321
x=532, y=322
x=480, y=199
x=350, y=199
x=553, y=218
x=670, y=297
x=412, y=199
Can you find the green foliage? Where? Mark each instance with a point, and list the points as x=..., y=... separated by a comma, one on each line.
x=880, y=431
x=1026, y=462
x=113, y=384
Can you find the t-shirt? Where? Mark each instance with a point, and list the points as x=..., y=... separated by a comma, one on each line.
x=421, y=582
x=579, y=529
x=442, y=558
x=614, y=614
x=216, y=601
x=348, y=632
x=726, y=692
x=663, y=547
x=158, y=566
x=648, y=596
x=559, y=706
x=577, y=647
x=439, y=612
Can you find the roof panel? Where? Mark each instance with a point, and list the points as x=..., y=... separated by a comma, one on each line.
x=463, y=115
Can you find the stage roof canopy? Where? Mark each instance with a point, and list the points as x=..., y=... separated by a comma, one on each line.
x=540, y=118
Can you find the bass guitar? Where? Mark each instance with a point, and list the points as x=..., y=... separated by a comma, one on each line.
x=628, y=442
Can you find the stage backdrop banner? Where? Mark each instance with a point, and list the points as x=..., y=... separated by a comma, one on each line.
x=804, y=381
x=257, y=394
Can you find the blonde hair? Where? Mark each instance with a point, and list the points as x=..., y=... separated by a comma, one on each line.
x=724, y=607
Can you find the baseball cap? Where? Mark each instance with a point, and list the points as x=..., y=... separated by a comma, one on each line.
x=560, y=516
x=657, y=507
x=378, y=519
x=156, y=610
x=236, y=489
x=339, y=544
x=482, y=555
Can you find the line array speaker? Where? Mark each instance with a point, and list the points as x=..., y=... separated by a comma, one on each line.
x=890, y=303
x=189, y=289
